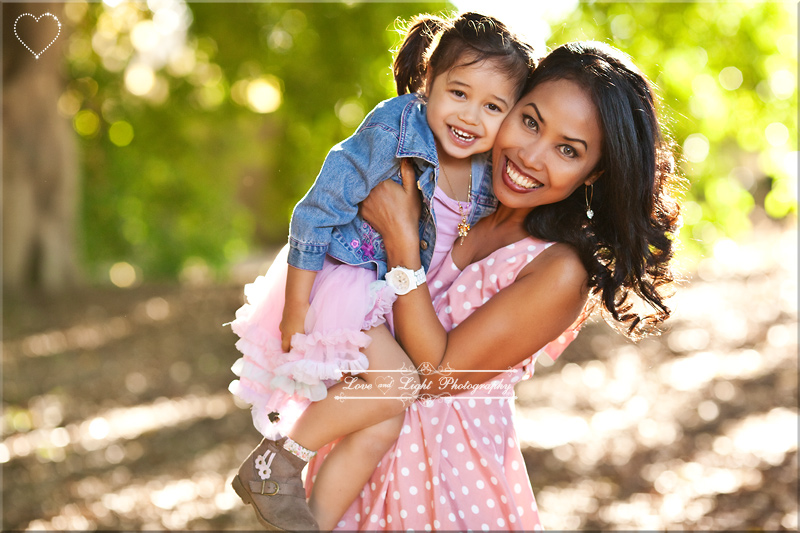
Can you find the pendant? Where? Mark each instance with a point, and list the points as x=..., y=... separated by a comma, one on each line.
x=463, y=227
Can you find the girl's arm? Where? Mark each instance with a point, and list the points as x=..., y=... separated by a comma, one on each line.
x=298, y=294
x=540, y=305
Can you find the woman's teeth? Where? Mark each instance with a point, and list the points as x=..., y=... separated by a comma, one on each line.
x=520, y=179
x=463, y=135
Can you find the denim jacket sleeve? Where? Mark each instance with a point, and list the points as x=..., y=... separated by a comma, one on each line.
x=350, y=171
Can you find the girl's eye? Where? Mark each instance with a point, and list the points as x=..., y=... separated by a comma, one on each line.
x=530, y=122
x=459, y=94
x=493, y=107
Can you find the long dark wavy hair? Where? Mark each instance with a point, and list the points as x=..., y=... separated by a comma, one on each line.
x=628, y=245
x=433, y=44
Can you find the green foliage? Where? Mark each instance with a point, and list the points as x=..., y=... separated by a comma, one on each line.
x=726, y=74
x=205, y=179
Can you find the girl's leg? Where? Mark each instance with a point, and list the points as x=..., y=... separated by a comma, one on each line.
x=331, y=418
x=348, y=467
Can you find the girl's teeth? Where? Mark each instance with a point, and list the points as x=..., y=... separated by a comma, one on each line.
x=464, y=136
x=519, y=179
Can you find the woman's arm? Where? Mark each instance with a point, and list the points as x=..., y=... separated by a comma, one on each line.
x=546, y=298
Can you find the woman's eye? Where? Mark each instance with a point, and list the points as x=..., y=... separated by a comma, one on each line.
x=529, y=122
x=569, y=151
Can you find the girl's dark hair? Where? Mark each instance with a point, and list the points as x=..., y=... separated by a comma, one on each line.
x=433, y=44
x=628, y=245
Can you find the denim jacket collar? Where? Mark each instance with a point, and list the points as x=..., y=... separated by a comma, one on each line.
x=416, y=138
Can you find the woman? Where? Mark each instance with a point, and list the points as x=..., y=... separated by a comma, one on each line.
x=586, y=219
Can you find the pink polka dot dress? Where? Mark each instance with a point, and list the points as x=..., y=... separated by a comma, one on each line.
x=457, y=464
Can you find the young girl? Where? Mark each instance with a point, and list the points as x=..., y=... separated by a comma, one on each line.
x=309, y=320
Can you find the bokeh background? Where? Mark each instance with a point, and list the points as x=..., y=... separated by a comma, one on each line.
x=151, y=158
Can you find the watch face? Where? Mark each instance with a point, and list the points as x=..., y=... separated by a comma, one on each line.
x=399, y=280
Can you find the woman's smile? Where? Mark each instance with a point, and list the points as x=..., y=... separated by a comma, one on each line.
x=519, y=181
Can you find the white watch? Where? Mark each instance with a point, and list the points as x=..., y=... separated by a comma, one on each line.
x=404, y=280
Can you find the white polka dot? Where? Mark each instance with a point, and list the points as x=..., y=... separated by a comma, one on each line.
x=534, y=506
x=404, y=471
x=464, y=490
x=510, y=442
x=367, y=509
x=396, y=495
x=493, y=278
x=467, y=306
x=456, y=404
x=373, y=519
x=486, y=440
x=520, y=510
x=452, y=517
x=342, y=523
x=488, y=401
x=460, y=447
x=529, y=258
x=477, y=422
x=448, y=309
x=422, y=467
x=391, y=476
x=444, y=454
x=436, y=481
x=512, y=518
x=461, y=514
x=485, y=527
x=454, y=325
x=492, y=419
x=480, y=484
x=438, y=284
x=493, y=480
x=435, y=420
x=510, y=275
x=403, y=513
x=389, y=519
x=451, y=429
x=498, y=439
x=485, y=299
x=421, y=509
x=357, y=517
x=430, y=461
x=538, y=527
x=373, y=486
x=461, y=288
x=511, y=246
x=532, y=247
x=471, y=402
x=511, y=260
x=436, y=524
x=442, y=499
x=412, y=490
x=475, y=268
x=490, y=262
x=363, y=493
x=406, y=429
x=453, y=497
x=473, y=443
x=414, y=448
x=465, y=424
x=505, y=421
x=478, y=284
x=438, y=437
x=382, y=522
x=470, y=465
x=475, y=509
x=515, y=465
x=484, y=462
x=383, y=477
x=453, y=266
x=455, y=471
x=517, y=488
x=501, y=522
x=503, y=498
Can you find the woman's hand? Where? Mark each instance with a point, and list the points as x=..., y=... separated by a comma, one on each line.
x=394, y=210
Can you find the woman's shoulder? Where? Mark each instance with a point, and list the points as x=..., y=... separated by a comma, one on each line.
x=558, y=261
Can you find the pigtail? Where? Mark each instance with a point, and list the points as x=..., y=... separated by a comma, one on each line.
x=410, y=63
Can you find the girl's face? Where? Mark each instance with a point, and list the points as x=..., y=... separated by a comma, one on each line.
x=547, y=147
x=466, y=106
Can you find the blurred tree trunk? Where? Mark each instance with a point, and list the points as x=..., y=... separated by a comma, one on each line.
x=40, y=166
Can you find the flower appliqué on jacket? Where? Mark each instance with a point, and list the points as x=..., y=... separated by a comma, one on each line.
x=371, y=243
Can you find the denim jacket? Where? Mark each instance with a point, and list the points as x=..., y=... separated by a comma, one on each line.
x=326, y=219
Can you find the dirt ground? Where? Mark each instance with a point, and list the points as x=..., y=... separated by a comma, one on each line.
x=116, y=413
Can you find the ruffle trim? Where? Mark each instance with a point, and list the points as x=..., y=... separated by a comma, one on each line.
x=381, y=299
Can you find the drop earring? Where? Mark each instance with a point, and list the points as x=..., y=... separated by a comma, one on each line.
x=589, y=192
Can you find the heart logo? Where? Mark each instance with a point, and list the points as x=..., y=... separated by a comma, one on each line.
x=36, y=19
x=384, y=383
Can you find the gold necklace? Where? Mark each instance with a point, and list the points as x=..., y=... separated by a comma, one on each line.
x=463, y=227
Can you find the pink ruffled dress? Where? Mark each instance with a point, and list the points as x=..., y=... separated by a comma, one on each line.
x=345, y=301
x=457, y=464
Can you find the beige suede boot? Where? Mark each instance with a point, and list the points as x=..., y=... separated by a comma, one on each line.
x=269, y=480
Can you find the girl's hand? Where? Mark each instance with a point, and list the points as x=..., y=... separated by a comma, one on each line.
x=293, y=321
x=394, y=210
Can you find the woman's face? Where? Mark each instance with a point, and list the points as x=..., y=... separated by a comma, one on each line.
x=547, y=147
